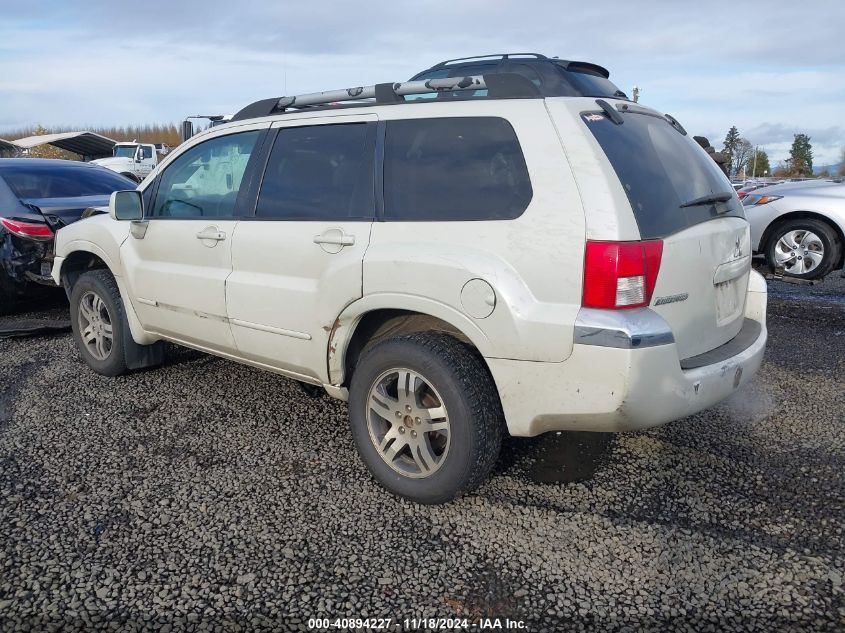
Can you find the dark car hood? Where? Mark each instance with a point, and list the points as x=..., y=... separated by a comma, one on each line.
x=66, y=210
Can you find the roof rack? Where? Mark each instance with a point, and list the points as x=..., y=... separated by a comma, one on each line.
x=498, y=86
x=500, y=56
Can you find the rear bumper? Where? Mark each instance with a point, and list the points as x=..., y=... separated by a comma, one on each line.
x=628, y=376
x=25, y=261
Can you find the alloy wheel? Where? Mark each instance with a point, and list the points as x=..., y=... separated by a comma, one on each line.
x=408, y=423
x=95, y=325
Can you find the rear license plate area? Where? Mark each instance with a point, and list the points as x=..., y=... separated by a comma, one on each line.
x=728, y=302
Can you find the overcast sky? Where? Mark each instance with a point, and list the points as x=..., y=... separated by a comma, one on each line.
x=772, y=68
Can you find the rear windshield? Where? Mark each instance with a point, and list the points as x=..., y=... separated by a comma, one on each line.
x=62, y=181
x=661, y=170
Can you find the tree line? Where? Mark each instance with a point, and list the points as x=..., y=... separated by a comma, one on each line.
x=167, y=133
x=750, y=162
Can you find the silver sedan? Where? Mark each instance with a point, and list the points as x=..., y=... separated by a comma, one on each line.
x=799, y=226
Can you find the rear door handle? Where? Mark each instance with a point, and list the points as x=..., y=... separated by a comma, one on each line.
x=211, y=233
x=335, y=237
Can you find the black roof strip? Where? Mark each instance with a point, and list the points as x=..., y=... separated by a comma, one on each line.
x=675, y=124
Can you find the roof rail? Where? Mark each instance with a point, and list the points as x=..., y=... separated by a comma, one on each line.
x=499, y=86
x=501, y=56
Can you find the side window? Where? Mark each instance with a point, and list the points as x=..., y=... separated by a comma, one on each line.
x=146, y=152
x=205, y=180
x=468, y=168
x=320, y=172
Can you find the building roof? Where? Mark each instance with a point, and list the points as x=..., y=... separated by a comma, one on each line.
x=87, y=144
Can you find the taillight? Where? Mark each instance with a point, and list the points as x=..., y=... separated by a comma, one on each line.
x=620, y=275
x=741, y=194
x=31, y=230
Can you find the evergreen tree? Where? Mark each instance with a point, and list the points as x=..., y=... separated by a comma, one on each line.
x=760, y=166
x=800, y=159
x=731, y=143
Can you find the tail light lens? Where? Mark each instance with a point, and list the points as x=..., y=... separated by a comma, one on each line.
x=620, y=275
x=30, y=230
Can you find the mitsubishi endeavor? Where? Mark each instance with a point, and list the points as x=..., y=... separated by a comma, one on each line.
x=503, y=255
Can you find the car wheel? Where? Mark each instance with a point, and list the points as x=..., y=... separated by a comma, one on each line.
x=425, y=416
x=804, y=248
x=131, y=177
x=99, y=325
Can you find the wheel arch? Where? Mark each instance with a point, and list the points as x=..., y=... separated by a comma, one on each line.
x=366, y=321
x=83, y=259
x=84, y=256
x=805, y=215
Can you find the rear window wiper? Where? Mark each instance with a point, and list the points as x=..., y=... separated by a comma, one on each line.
x=611, y=112
x=710, y=198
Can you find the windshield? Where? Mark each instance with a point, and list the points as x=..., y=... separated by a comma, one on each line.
x=661, y=170
x=125, y=151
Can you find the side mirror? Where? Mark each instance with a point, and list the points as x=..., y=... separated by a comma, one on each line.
x=126, y=205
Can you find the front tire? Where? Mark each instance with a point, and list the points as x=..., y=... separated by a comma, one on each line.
x=805, y=248
x=425, y=416
x=99, y=325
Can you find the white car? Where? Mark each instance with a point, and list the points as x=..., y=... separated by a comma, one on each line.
x=514, y=261
x=799, y=227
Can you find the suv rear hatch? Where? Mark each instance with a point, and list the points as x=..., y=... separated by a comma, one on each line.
x=679, y=195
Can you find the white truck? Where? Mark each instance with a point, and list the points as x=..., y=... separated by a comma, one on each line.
x=133, y=160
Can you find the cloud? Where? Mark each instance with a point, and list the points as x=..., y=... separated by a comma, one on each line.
x=712, y=64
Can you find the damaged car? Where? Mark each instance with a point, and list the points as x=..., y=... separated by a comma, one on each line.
x=37, y=198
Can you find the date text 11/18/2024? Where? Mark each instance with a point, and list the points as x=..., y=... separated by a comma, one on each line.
x=417, y=624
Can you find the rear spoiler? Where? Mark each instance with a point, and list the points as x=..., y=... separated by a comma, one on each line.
x=584, y=67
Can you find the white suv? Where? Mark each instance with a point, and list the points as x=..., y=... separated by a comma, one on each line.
x=493, y=259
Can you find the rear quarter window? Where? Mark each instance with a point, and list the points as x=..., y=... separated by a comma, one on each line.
x=660, y=170
x=461, y=168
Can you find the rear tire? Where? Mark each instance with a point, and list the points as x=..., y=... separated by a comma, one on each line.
x=98, y=320
x=806, y=248
x=438, y=439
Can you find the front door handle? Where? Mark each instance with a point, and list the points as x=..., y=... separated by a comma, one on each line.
x=336, y=237
x=211, y=233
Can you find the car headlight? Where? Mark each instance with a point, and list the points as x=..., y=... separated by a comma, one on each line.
x=755, y=200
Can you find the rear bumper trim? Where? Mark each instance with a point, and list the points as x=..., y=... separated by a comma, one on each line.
x=747, y=335
x=622, y=329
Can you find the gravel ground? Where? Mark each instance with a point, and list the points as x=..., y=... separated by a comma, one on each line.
x=205, y=495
